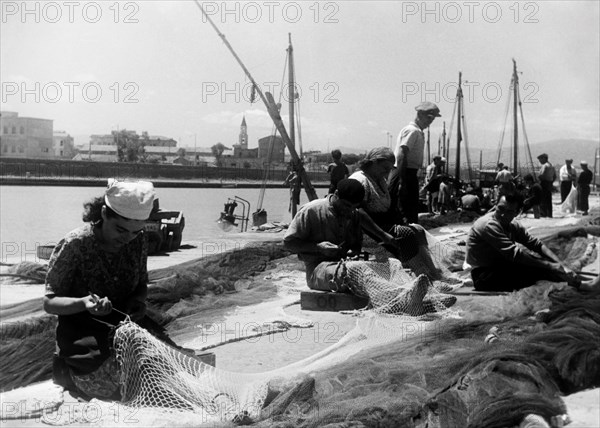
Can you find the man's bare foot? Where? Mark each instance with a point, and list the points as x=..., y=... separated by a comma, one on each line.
x=411, y=302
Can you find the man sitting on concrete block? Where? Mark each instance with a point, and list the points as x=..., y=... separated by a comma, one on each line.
x=326, y=234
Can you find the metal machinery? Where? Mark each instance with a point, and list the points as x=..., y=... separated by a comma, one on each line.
x=228, y=218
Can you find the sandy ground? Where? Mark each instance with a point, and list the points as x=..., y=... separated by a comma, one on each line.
x=305, y=334
x=11, y=294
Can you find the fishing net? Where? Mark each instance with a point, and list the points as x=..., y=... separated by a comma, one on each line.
x=160, y=378
x=155, y=375
x=569, y=205
x=392, y=289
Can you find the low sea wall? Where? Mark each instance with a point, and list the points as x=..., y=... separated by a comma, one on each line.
x=55, y=171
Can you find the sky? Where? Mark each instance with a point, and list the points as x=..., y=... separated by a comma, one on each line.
x=361, y=67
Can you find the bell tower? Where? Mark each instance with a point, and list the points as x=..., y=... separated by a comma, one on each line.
x=243, y=134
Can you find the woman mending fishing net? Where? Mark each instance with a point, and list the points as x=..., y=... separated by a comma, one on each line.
x=97, y=277
x=380, y=217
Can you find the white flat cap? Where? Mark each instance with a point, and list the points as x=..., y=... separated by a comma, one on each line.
x=132, y=200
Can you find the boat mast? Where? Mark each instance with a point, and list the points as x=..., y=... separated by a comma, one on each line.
x=516, y=125
x=291, y=89
x=291, y=98
x=444, y=150
x=459, y=97
x=273, y=111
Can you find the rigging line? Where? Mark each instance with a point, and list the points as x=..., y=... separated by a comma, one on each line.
x=263, y=187
x=269, y=102
x=299, y=125
x=450, y=132
x=466, y=140
x=529, y=157
x=298, y=122
x=267, y=63
x=499, y=147
x=283, y=75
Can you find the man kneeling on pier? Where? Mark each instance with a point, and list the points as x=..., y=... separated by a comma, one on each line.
x=326, y=234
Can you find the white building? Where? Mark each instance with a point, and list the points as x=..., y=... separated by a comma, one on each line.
x=25, y=137
x=63, y=145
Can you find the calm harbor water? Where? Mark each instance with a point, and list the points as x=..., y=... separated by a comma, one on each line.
x=39, y=215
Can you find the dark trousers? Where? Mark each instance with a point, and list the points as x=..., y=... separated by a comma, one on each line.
x=405, y=194
x=583, y=198
x=546, y=203
x=509, y=277
x=565, y=189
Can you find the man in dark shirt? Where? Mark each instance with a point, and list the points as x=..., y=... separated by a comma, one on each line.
x=326, y=234
x=497, y=261
x=583, y=187
x=547, y=175
x=337, y=170
x=533, y=197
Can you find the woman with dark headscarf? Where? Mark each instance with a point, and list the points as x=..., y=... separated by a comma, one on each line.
x=380, y=217
x=372, y=174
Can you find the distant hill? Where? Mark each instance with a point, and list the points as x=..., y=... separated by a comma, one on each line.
x=557, y=150
x=355, y=150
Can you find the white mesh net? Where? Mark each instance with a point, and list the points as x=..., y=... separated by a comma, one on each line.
x=156, y=375
x=392, y=289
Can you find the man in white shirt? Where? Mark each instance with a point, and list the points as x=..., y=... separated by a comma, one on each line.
x=404, y=182
x=504, y=178
x=568, y=177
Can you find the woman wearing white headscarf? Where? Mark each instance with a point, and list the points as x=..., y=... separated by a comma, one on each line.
x=97, y=275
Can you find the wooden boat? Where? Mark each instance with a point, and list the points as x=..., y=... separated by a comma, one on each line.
x=44, y=251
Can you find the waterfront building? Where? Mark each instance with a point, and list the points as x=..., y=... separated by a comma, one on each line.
x=275, y=145
x=241, y=149
x=104, y=147
x=25, y=137
x=63, y=145
x=257, y=157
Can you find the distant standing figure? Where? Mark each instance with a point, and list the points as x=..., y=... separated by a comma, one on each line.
x=568, y=177
x=404, y=183
x=504, y=175
x=293, y=181
x=547, y=176
x=337, y=170
x=504, y=178
x=534, y=196
x=583, y=186
x=433, y=176
x=445, y=195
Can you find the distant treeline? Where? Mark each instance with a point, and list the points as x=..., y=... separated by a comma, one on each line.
x=66, y=169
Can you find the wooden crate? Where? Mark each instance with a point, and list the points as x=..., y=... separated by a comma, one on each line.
x=332, y=302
